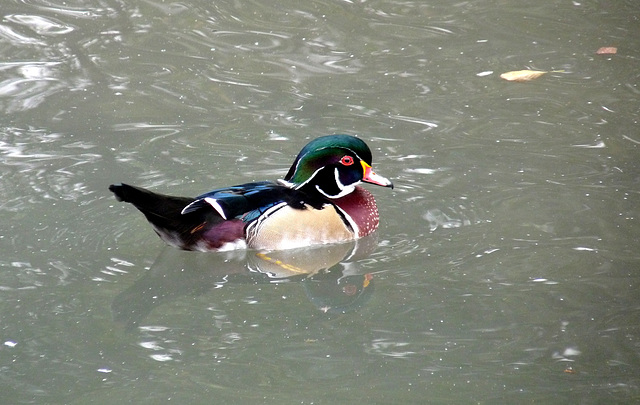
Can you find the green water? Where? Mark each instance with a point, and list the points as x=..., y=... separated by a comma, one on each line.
x=506, y=266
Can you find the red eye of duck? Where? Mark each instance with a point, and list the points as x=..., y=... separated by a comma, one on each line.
x=346, y=160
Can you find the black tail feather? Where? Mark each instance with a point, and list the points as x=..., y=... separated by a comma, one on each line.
x=148, y=201
x=164, y=213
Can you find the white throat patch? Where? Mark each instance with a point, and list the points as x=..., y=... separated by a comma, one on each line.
x=344, y=190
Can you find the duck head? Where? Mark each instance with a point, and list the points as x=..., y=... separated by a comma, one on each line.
x=333, y=165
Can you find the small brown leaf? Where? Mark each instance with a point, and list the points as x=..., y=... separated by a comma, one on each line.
x=522, y=75
x=607, y=50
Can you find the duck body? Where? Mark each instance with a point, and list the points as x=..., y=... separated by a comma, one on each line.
x=318, y=202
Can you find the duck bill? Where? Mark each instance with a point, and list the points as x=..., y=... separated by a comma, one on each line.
x=370, y=176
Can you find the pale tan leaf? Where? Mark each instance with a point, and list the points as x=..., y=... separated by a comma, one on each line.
x=607, y=50
x=522, y=75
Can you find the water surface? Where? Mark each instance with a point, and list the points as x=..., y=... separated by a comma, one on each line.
x=506, y=265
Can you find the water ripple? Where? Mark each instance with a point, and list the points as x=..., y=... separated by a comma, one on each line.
x=30, y=162
x=84, y=10
x=46, y=26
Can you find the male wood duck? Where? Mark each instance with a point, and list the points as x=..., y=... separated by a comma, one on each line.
x=318, y=202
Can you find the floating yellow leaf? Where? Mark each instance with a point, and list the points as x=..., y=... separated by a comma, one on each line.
x=522, y=75
x=607, y=50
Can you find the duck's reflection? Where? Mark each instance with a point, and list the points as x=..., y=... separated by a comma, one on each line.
x=330, y=276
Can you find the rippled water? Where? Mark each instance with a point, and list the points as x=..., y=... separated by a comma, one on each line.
x=506, y=265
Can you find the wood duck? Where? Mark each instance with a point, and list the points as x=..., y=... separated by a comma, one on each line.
x=318, y=202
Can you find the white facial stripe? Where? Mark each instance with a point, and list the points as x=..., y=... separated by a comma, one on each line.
x=344, y=190
x=326, y=147
x=310, y=178
x=342, y=147
x=285, y=183
x=342, y=193
x=336, y=174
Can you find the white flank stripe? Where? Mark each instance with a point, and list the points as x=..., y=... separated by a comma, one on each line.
x=354, y=225
x=214, y=203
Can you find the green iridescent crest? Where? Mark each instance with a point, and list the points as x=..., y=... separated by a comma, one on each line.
x=323, y=152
